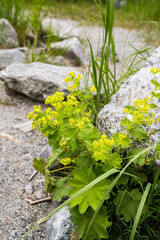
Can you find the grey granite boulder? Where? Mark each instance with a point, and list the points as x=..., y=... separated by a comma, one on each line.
x=59, y=226
x=10, y=56
x=72, y=49
x=8, y=36
x=58, y=27
x=137, y=86
x=36, y=80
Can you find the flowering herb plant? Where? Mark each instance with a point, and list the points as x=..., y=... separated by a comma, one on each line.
x=90, y=160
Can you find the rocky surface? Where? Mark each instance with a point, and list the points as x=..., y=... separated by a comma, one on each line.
x=60, y=28
x=10, y=56
x=8, y=36
x=72, y=49
x=137, y=86
x=36, y=80
x=59, y=226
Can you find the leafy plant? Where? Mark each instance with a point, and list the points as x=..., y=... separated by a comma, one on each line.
x=90, y=162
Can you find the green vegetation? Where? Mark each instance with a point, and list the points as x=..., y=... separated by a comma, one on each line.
x=111, y=181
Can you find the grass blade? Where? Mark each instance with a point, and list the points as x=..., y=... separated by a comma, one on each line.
x=139, y=211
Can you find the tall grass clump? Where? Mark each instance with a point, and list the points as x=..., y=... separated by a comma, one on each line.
x=103, y=78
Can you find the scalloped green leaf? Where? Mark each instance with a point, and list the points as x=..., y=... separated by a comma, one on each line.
x=98, y=229
x=138, y=133
x=61, y=189
x=93, y=196
x=127, y=203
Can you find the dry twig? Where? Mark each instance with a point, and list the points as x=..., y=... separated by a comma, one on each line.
x=31, y=202
x=33, y=174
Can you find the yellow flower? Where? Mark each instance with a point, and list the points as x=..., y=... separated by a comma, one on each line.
x=72, y=74
x=67, y=79
x=155, y=70
x=93, y=89
x=66, y=161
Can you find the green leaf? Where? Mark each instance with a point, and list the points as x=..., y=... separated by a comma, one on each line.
x=39, y=165
x=124, y=142
x=84, y=160
x=131, y=108
x=113, y=162
x=152, y=105
x=127, y=123
x=155, y=83
x=156, y=95
x=127, y=203
x=98, y=228
x=141, y=159
x=93, y=196
x=158, y=149
x=56, y=153
x=61, y=189
x=49, y=182
x=138, y=133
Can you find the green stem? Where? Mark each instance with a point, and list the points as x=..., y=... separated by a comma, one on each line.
x=59, y=169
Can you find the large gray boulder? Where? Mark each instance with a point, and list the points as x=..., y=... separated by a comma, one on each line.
x=8, y=36
x=36, y=80
x=137, y=86
x=72, y=49
x=58, y=27
x=10, y=56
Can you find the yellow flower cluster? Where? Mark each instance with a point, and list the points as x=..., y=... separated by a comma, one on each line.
x=79, y=122
x=102, y=147
x=93, y=89
x=76, y=81
x=155, y=70
x=67, y=161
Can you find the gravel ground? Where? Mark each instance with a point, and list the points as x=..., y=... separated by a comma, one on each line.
x=19, y=146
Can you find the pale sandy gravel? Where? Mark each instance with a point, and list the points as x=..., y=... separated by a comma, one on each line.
x=17, y=216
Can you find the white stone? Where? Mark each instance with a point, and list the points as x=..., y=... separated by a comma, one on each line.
x=8, y=36
x=37, y=80
x=59, y=28
x=29, y=189
x=72, y=49
x=10, y=56
x=137, y=86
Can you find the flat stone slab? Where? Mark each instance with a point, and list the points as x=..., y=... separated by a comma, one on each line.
x=72, y=49
x=8, y=36
x=137, y=86
x=37, y=80
x=58, y=27
x=10, y=56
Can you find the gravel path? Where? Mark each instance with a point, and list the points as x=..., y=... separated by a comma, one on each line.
x=18, y=146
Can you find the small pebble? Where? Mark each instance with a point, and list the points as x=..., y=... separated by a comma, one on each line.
x=29, y=189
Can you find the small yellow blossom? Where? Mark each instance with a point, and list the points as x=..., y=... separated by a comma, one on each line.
x=72, y=74
x=155, y=70
x=93, y=89
x=66, y=161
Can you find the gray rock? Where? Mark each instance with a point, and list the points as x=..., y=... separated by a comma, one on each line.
x=46, y=152
x=137, y=86
x=10, y=56
x=154, y=59
x=40, y=194
x=59, y=226
x=72, y=49
x=29, y=189
x=37, y=80
x=24, y=127
x=8, y=36
x=58, y=27
x=59, y=60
